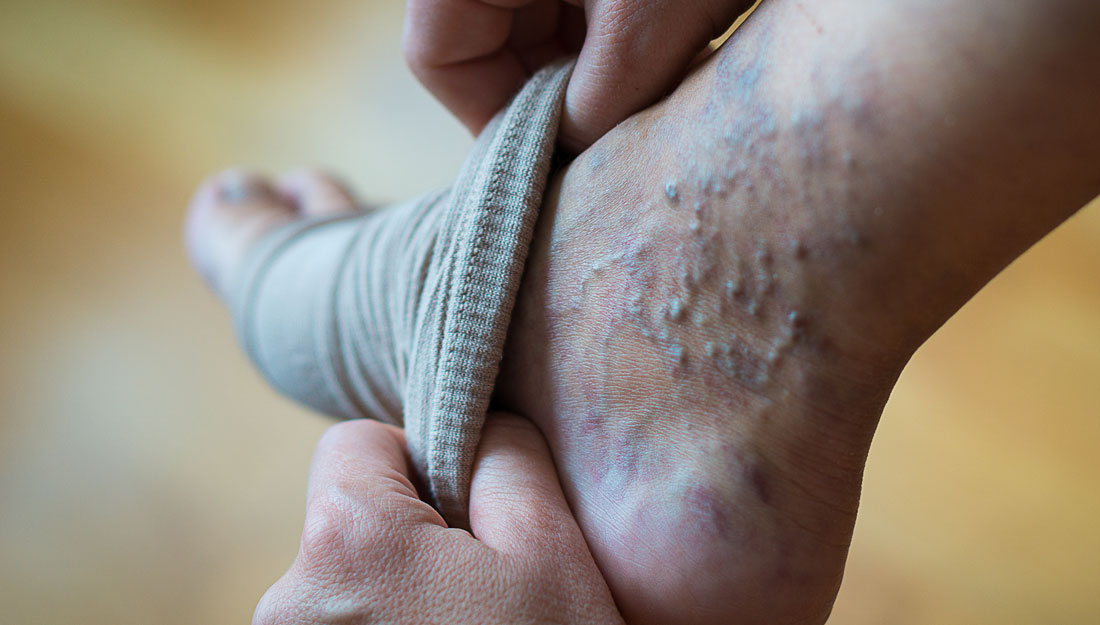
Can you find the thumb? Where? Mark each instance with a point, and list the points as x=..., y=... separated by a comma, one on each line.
x=633, y=53
x=516, y=501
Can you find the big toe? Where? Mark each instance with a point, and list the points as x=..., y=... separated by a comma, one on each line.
x=228, y=213
x=233, y=209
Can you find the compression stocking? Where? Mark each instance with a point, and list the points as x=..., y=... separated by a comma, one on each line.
x=401, y=314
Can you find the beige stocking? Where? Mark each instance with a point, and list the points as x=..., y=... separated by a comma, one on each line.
x=401, y=314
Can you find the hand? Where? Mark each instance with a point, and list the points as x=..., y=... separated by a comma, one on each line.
x=372, y=552
x=475, y=54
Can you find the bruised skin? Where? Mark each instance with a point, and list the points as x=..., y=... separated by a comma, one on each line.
x=723, y=290
x=665, y=344
x=687, y=371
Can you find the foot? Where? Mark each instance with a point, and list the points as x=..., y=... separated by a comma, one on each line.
x=232, y=210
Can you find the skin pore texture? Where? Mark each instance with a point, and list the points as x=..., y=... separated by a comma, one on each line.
x=723, y=290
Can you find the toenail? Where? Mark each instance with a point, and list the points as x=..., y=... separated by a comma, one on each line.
x=238, y=189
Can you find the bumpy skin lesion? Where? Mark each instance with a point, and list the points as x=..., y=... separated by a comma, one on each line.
x=667, y=365
x=668, y=343
x=724, y=289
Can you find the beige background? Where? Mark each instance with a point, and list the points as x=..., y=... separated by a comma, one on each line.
x=148, y=476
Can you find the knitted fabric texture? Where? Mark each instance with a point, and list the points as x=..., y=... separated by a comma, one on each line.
x=401, y=314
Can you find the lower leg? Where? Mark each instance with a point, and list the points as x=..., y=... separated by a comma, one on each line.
x=725, y=288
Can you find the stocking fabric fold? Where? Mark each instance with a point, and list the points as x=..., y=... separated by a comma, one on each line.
x=401, y=314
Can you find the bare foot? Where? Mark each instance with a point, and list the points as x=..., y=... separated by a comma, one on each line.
x=233, y=209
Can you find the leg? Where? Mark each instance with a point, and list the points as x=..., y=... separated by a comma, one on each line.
x=725, y=288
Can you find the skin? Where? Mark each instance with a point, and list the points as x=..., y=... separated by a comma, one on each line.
x=857, y=179
x=474, y=54
x=373, y=552
x=723, y=289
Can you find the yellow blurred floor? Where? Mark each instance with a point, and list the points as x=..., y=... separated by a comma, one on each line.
x=148, y=476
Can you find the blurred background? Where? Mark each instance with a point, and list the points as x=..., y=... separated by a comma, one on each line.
x=147, y=475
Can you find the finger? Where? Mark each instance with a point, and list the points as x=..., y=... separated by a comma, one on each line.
x=516, y=501
x=359, y=477
x=457, y=49
x=545, y=31
x=633, y=54
x=364, y=526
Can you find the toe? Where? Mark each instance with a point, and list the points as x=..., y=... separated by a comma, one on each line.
x=228, y=213
x=316, y=194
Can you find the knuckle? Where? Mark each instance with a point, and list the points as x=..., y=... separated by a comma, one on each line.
x=351, y=531
x=415, y=47
x=620, y=21
x=265, y=615
x=269, y=610
x=324, y=536
x=411, y=50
